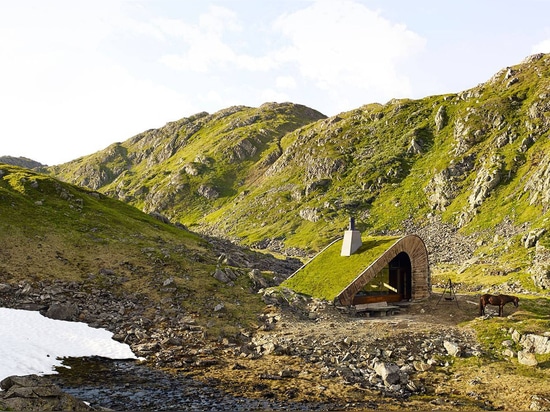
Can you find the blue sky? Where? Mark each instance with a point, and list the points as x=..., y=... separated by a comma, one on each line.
x=78, y=75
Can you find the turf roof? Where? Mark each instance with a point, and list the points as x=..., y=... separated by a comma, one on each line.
x=328, y=273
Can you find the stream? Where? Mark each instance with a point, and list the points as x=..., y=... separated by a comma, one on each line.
x=123, y=385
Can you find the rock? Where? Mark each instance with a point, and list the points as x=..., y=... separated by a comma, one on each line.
x=538, y=185
x=259, y=281
x=321, y=184
x=487, y=179
x=191, y=169
x=509, y=353
x=527, y=358
x=415, y=147
x=30, y=393
x=421, y=366
x=389, y=372
x=288, y=373
x=62, y=311
x=440, y=118
x=535, y=343
x=539, y=403
x=311, y=214
x=452, y=348
x=530, y=239
x=516, y=336
x=208, y=192
x=224, y=276
x=168, y=282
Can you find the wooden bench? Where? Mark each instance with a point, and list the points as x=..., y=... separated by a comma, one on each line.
x=375, y=309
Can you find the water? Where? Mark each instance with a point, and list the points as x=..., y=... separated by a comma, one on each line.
x=123, y=385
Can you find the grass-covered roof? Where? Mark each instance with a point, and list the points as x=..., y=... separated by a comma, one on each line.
x=328, y=273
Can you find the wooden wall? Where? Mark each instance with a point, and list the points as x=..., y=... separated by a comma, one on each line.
x=415, y=248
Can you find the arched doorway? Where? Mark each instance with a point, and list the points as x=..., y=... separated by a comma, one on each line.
x=393, y=283
x=400, y=275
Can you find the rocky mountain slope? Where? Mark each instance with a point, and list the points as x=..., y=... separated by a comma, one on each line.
x=21, y=162
x=467, y=171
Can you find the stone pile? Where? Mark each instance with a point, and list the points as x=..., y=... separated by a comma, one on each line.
x=387, y=365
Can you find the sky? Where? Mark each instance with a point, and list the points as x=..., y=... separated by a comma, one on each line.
x=79, y=75
x=32, y=343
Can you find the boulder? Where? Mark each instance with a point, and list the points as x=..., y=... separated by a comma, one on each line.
x=225, y=276
x=62, y=311
x=535, y=343
x=31, y=393
x=527, y=358
x=452, y=348
x=389, y=372
x=539, y=403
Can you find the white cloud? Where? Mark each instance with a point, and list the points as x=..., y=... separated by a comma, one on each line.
x=204, y=45
x=270, y=95
x=340, y=47
x=542, y=47
x=62, y=94
x=344, y=44
x=285, y=82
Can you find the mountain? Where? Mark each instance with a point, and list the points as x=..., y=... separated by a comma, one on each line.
x=21, y=161
x=189, y=168
x=469, y=172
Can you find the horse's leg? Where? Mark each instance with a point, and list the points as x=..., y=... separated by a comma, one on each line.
x=481, y=308
x=501, y=310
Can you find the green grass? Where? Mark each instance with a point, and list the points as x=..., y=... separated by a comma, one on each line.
x=328, y=274
x=52, y=231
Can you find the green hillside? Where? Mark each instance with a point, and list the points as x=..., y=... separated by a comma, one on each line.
x=189, y=168
x=468, y=172
x=52, y=231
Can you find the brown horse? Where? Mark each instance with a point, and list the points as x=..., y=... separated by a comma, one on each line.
x=496, y=300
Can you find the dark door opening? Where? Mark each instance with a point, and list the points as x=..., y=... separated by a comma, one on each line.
x=391, y=284
x=401, y=276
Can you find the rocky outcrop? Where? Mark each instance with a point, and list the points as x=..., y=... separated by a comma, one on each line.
x=488, y=177
x=538, y=185
x=540, y=269
x=531, y=345
x=311, y=214
x=209, y=192
x=21, y=162
x=441, y=118
x=445, y=185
